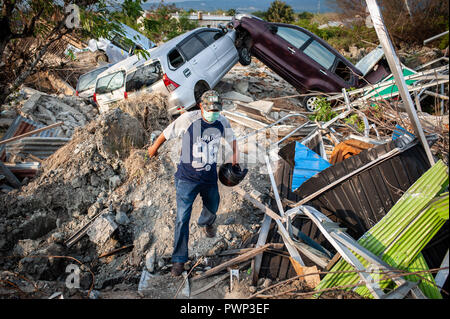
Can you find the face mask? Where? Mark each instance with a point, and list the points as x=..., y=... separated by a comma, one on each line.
x=210, y=116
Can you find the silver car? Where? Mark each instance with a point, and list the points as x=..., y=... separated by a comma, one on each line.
x=183, y=68
x=117, y=47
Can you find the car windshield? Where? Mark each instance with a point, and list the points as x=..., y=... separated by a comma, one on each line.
x=110, y=82
x=320, y=54
x=87, y=81
x=122, y=42
x=295, y=37
x=144, y=76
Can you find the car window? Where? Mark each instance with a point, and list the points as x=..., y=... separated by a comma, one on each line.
x=343, y=71
x=175, y=59
x=144, y=76
x=209, y=36
x=295, y=37
x=87, y=81
x=192, y=47
x=320, y=54
x=122, y=42
x=110, y=82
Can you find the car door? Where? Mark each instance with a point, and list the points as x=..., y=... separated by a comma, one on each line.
x=224, y=49
x=322, y=61
x=280, y=47
x=201, y=59
x=110, y=88
x=291, y=41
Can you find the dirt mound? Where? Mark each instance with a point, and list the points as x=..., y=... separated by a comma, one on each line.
x=149, y=108
x=75, y=176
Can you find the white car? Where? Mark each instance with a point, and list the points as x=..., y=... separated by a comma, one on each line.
x=183, y=68
x=118, y=48
x=86, y=82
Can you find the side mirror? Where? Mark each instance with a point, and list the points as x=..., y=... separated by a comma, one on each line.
x=273, y=28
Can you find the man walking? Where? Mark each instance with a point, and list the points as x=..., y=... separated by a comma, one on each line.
x=201, y=132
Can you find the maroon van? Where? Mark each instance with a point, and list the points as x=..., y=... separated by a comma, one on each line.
x=300, y=57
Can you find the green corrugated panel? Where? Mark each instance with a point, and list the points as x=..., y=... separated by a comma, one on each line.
x=399, y=236
x=387, y=91
x=427, y=283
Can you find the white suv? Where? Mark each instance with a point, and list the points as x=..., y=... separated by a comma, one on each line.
x=183, y=68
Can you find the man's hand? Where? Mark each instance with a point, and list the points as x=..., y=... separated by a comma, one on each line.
x=153, y=149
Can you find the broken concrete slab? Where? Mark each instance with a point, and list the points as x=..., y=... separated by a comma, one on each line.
x=241, y=86
x=263, y=106
x=236, y=96
x=101, y=229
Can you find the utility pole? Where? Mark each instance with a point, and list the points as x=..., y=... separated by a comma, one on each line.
x=396, y=69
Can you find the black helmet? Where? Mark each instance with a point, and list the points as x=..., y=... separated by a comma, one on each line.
x=231, y=175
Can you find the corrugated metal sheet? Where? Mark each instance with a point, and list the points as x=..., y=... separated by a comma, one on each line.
x=362, y=200
x=22, y=170
x=399, y=237
x=41, y=147
x=20, y=126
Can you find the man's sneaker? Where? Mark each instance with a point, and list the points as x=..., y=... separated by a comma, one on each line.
x=210, y=231
x=177, y=269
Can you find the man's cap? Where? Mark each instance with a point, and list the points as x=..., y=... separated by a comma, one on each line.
x=210, y=100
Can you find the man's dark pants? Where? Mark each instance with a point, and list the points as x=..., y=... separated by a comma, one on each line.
x=187, y=191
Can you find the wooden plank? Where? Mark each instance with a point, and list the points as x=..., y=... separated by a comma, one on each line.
x=274, y=265
x=263, y=232
x=35, y=158
x=15, y=138
x=282, y=272
x=210, y=285
x=333, y=261
x=233, y=261
x=310, y=274
x=215, y=282
x=255, y=202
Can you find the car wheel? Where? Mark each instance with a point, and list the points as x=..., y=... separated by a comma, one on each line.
x=308, y=103
x=101, y=58
x=245, y=57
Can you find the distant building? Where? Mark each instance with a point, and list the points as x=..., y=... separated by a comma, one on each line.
x=203, y=19
x=207, y=19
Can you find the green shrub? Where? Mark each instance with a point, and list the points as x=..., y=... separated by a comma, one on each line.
x=324, y=111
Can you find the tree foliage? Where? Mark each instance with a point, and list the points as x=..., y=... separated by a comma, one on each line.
x=46, y=22
x=279, y=11
x=161, y=26
x=408, y=21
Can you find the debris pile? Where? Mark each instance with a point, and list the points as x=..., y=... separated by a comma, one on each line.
x=320, y=187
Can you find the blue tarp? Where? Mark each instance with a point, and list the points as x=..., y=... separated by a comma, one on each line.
x=307, y=164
